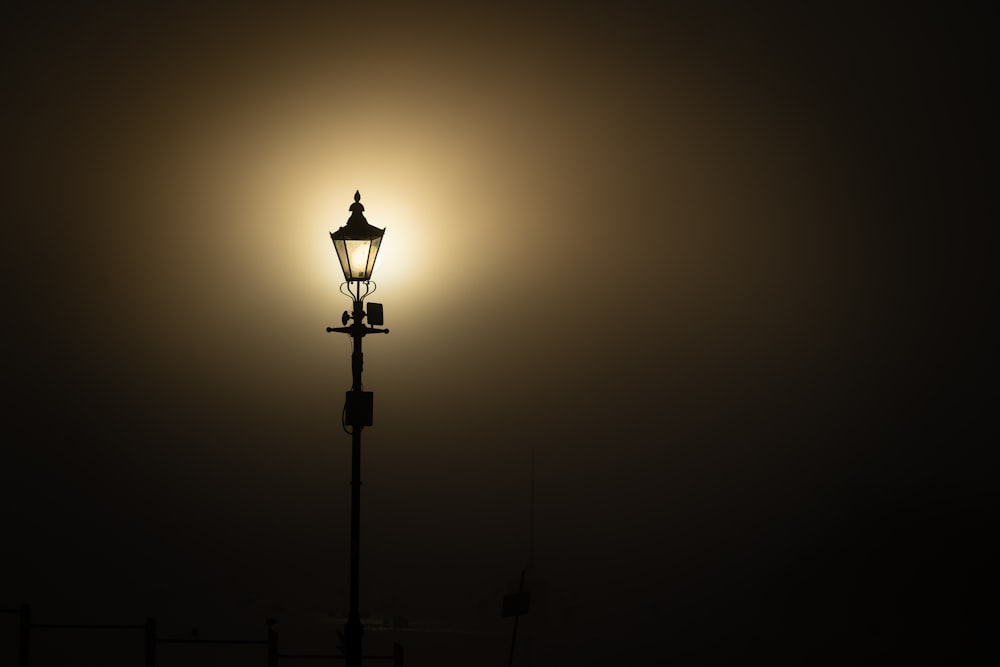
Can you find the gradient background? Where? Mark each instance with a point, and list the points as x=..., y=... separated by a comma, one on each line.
x=725, y=272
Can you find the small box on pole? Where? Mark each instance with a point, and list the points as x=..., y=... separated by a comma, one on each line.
x=359, y=408
x=375, y=316
x=516, y=604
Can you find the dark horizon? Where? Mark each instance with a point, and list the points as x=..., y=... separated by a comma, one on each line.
x=726, y=274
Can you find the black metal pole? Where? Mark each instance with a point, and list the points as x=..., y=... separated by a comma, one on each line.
x=517, y=615
x=150, y=642
x=353, y=630
x=24, y=639
x=272, y=648
x=357, y=415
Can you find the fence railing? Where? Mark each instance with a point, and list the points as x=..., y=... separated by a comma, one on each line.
x=153, y=640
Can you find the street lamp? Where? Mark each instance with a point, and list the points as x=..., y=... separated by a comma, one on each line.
x=357, y=244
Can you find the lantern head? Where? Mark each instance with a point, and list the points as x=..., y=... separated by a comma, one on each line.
x=357, y=244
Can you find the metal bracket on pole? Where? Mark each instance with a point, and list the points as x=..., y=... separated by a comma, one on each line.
x=355, y=330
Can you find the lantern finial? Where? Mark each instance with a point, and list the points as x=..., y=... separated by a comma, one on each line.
x=357, y=207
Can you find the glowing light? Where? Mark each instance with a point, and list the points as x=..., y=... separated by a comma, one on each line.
x=357, y=257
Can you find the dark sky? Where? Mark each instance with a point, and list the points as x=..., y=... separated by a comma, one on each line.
x=723, y=272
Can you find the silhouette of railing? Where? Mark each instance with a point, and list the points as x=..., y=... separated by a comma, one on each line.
x=152, y=640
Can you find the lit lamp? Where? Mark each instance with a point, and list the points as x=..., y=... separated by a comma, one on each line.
x=357, y=245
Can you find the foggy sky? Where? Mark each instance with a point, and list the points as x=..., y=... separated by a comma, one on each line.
x=723, y=271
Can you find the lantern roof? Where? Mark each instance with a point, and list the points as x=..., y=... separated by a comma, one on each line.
x=357, y=226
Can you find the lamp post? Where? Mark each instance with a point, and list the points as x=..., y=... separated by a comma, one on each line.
x=357, y=244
